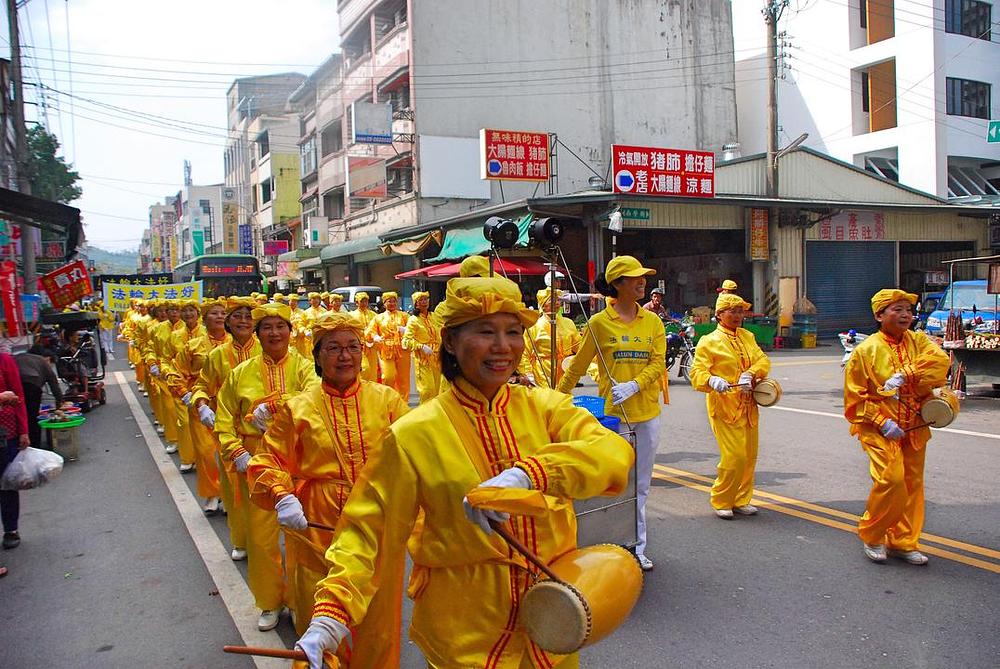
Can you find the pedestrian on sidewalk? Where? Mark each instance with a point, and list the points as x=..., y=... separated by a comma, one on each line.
x=36, y=369
x=727, y=364
x=13, y=438
x=887, y=379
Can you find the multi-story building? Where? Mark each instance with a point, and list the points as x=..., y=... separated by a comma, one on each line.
x=199, y=225
x=901, y=88
x=163, y=235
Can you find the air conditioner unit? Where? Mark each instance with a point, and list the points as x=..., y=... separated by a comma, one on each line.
x=315, y=232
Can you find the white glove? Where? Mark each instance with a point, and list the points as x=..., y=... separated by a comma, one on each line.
x=718, y=384
x=324, y=634
x=309, y=333
x=154, y=370
x=377, y=338
x=427, y=350
x=746, y=378
x=402, y=329
x=508, y=478
x=892, y=430
x=261, y=417
x=241, y=462
x=206, y=416
x=290, y=513
x=622, y=391
x=186, y=399
x=894, y=382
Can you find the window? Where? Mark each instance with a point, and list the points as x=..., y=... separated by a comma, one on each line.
x=865, y=93
x=205, y=205
x=263, y=144
x=332, y=138
x=265, y=191
x=399, y=98
x=399, y=180
x=968, y=17
x=333, y=204
x=307, y=156
x=863, y=6
x=968, y=98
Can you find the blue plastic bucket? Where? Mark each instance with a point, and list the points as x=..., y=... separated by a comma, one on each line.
x=610, y=422
x=591, y=403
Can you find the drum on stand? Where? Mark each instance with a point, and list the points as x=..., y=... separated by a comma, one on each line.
x=940, y=409
x=767, y=392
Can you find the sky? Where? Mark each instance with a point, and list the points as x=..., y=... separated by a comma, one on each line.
x=133, y=88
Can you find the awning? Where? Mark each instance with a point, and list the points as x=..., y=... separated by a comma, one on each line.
x=299, y=254
x=421, y=272
x=413, y=245
x=468, y=241
x=311, y=263
x=39, y=213
x=349, y=248
x=308, y=194
x=512, y=268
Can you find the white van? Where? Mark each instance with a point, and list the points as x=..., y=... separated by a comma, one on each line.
x=348, y=292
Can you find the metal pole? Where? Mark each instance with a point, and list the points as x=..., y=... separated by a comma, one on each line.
x=20, y=145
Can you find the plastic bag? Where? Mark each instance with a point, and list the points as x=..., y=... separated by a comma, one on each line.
x=31, y=468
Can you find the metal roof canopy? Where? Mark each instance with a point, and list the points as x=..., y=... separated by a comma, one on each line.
x=984, y=260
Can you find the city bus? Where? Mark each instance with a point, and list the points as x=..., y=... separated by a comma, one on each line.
x=223, y=275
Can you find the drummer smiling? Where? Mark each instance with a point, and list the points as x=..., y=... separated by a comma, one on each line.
x=887, y=379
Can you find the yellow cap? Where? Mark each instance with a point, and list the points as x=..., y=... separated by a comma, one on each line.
x=325, y=295
x=470, y=298
x=474, y=266
x=728, y=284
x=625, y=266
x=186, y=302
x=314, y=296
x=234, y=303
x=887, y=296
x=335, y=297
x=278, y=297
x=730, y=301
x=209, y=302
x=390, y=295
x=545, y=295
x=358, y=296
x=337, y=320
x=418, y=294
x=271, y=309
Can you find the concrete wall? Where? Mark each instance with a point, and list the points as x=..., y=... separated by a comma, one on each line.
x=646, y=72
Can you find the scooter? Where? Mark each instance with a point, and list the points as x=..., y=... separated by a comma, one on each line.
x=849, y=340
x=680, y=348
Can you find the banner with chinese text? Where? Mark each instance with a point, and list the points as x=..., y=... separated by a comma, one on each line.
x=514, y=155
x=117, y=295
x=67, y=284
x=644, y=170
x=758, y=235
x=853, y=226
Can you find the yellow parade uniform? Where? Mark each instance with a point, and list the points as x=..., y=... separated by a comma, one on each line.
x=466, y=585
x=301, y=333
x=259, y=380
x=894, y=514
x=136, y=333
x=369, y=360
x=394, y=360
x=733, y=415
x=316, y=449
x=214, y=372
x=424, y=331
x=177, y=383
x=159, y=352
x=538, y=349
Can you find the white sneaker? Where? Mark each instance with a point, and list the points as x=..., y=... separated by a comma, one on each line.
x=645, y=562
x=170, y=449
x=238, y=554
x=211, y=506
x=145, y=394
x=725, y=514
x=746, y=510
x=875, y=553
x=186, y=467
x=913, y=557
x=268, y=620
x=159, y=430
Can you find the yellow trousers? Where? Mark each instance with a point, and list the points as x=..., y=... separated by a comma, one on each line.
x=229, y=492
x=369, y=365
x=396, y=374
x=569, y=662
x=206, y=468
x=265, y=575
x=185, y=444
x=428, y=376
x=737, y=459
x=894, y=514
x=167, y=412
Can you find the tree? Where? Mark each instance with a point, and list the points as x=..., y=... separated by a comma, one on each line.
x=49, y=175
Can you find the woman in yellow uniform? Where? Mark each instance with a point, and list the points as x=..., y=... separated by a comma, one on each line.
x=538, y=356
x=312, y=456
x=466, y=583
x=336, y=302
x=301, y=334
x=137, y=341
x=158, y=356
x=248, y=400
x=386, y=332
x=242, y=346
x=316, y=308
x=887, y=378
x=177, y=382
x=630, y=347
x=727, y=364
x=369, y=362
x=423, y=338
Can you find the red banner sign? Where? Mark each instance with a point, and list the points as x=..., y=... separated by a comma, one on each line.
x=10, y=299
x=644, y=170
x=275, y=247
x=514, y=155
x=67, y=284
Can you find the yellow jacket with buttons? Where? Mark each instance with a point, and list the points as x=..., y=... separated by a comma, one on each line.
x=727, y=354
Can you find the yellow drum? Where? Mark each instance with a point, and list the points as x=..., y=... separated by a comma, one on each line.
x=941, y=408
x=567, y=361
x=767, y=392
x=600, y=585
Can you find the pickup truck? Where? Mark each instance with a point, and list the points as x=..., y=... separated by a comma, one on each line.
x=971, y=298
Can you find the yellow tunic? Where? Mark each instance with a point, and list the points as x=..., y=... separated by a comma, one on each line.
x=316, y=449
x=178, y=382
x=159, y=352
x=633, y=351
x=425, y=331
x=538, y=352
x=369, y=363
x=393, y=358
x=300, y=340
x=895, y=511
x=732, y=415
x=466, y=584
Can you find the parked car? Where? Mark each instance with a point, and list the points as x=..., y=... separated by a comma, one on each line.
x=970, y=297
x=348, y=292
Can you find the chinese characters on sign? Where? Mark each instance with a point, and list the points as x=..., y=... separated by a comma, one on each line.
x=758, y=235
x=275, y=247
x=246, y=239
x=67, y=284
x=117, y=295
x=9, y=299
x=643, y=170
x=853, y=226
x=511, y=155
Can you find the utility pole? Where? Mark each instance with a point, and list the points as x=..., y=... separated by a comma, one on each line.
x=20, y=145
x=772, y=12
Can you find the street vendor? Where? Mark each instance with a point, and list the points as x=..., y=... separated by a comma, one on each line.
x=312, y=455
x=504, y=441
x=727, y=364
x=888, y=377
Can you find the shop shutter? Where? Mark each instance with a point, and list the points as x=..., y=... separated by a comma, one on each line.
x=841, y=278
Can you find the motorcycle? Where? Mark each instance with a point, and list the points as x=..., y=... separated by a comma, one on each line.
x=680, y=349
x=849, y=340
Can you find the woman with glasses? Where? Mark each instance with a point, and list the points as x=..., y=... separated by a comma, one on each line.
x=312, y=455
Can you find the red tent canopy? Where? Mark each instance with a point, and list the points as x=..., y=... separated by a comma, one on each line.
x=510, y=267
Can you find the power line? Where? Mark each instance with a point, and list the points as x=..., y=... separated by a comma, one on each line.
x=48, y=27
x=69, y=57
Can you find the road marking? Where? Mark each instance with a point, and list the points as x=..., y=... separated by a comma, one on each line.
x=786, y=505
x=830, y=361
x=232, y=588
x=950, y=430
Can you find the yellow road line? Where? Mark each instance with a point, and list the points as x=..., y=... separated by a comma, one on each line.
x=787, y=506
x=789, y=363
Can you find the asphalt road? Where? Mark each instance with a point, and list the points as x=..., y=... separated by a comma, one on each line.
x=108, y=574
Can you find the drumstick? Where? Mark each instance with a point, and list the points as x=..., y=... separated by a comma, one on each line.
x=917, y=427
x=283, y=653
x=320, y=526
x=523, y=550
